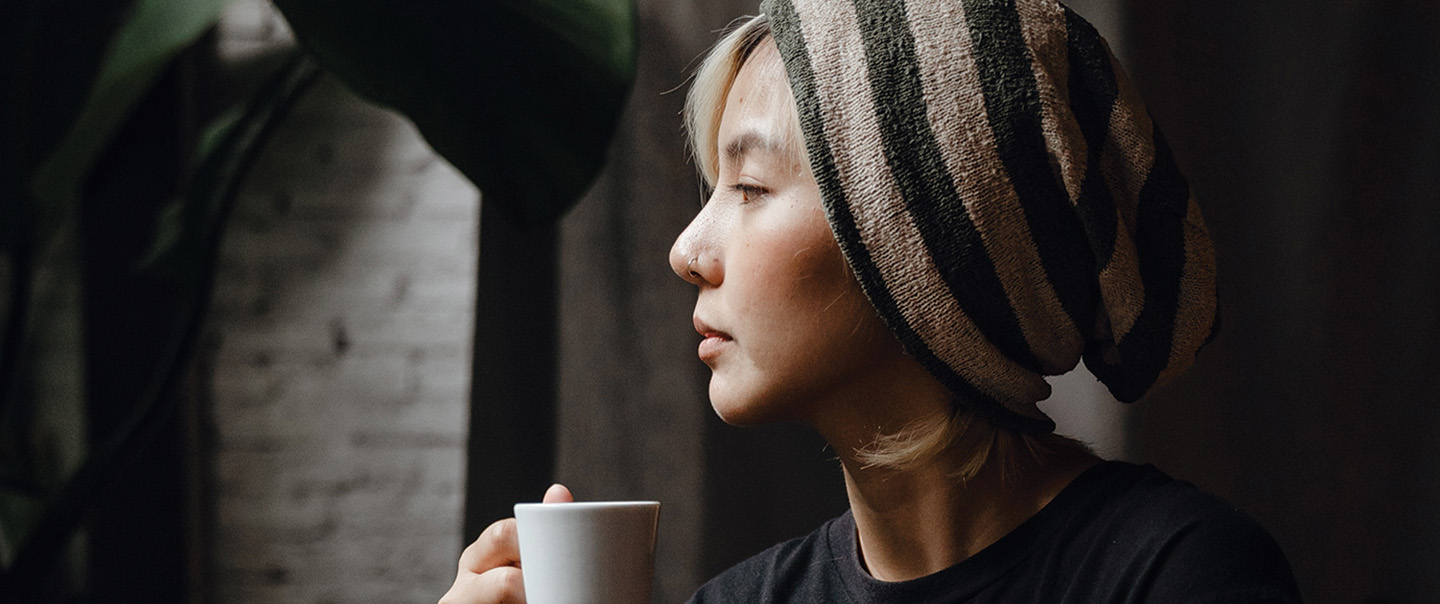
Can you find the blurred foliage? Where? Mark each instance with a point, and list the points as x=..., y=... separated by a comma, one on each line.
x=521, y=96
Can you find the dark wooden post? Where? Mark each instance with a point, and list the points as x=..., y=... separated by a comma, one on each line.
x=137, y=529
x=511, y=453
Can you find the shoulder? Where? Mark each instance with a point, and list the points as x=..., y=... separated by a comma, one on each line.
x=1172, y=542
x=781, y=573
x=1147, y=507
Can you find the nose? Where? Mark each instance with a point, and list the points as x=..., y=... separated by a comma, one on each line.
x=695, y=255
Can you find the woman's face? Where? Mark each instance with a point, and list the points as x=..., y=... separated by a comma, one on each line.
x=786, y=327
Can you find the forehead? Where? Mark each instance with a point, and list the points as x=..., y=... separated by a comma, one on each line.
x=762, y=67
x=759, y=108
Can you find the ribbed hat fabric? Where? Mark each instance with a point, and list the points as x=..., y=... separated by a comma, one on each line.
x=1001, y=194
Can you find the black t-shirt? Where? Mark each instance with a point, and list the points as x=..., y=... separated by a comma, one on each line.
x=1118, y=533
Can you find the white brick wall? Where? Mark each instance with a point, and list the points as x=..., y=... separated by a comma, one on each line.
x=340, y=355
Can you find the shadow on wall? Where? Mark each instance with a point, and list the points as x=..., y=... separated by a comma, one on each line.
x=1312, y=139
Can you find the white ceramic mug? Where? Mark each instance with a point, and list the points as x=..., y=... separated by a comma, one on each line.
x=589, y=552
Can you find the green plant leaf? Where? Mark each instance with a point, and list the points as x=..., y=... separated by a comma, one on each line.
x=191, y=261
x=155, y=32
x=50, y=51
x=521, y=96
x=188, y=231
x=19, y=513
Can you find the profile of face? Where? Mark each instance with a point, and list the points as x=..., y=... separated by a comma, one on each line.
x=788, y=333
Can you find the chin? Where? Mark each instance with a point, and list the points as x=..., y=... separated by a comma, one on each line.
x=735, y=413
x=746, y=408
x=738, y=417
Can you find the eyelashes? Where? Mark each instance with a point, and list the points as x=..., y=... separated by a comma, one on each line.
x=747, y=192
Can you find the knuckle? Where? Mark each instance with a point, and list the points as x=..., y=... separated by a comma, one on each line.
x=496, y=541
x=504, y=530
x=497, y=532
x=470, y=552
x=469, y=558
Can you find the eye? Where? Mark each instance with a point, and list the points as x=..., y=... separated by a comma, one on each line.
x=747, y=192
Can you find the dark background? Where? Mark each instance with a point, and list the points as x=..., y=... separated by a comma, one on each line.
x=1311, y=132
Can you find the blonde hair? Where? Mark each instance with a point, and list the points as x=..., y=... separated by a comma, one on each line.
x=706, y=101
x=972, y=441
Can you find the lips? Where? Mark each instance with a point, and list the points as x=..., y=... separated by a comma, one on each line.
x=714, y=342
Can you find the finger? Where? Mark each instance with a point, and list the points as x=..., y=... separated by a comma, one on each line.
x=504, y=585
x=497, y=546
x=558, y=493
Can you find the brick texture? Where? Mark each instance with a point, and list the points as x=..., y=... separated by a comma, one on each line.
x=339, y=356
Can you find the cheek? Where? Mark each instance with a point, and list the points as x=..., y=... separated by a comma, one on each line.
x=829, y=285
x=815, y=298
x=841, y=321
x=796, y=272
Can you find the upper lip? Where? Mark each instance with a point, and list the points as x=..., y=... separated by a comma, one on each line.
x=706, y=330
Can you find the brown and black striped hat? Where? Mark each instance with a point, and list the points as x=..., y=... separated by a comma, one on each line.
x=1001, y=194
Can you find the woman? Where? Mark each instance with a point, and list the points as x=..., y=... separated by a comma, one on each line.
x=919, y=210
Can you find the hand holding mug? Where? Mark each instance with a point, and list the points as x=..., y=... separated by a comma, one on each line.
x=489, y=570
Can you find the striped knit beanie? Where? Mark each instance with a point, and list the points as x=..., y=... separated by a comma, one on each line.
x=1001, y=194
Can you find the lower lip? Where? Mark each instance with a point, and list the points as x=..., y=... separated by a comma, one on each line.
x=711, y=346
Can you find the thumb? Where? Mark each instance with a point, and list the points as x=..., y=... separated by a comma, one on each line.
x=557, y=493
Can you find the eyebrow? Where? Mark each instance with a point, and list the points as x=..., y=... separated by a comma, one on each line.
x=738, y=147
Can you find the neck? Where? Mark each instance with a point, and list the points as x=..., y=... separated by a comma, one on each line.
x=921, y=520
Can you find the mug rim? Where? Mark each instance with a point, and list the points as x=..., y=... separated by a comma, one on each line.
x=587, y=504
